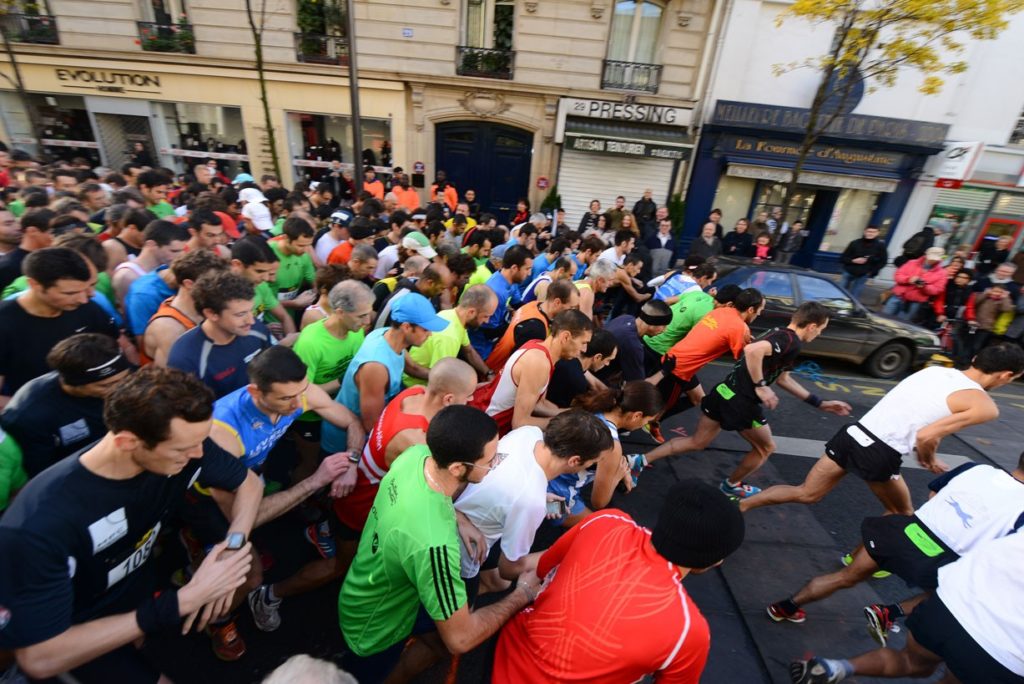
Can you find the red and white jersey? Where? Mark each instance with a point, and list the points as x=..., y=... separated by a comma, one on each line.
x=353, y=509
x=498, y=398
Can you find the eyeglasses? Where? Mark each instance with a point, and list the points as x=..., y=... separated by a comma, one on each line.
x=495, y=462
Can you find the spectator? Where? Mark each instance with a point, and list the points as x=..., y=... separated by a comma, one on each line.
x=789, y=243
x=707, y=246
x=918, y=281
x=739, y=243
x=614, y=215
x=863, y=258
x=991, y=254
x=763, y=250
x=988, y=306
x=697, y=529
x=644, y=212
x=716, y=217
x=589, y=220
x=916, y=245
x=664, y=241
x=1003, y=275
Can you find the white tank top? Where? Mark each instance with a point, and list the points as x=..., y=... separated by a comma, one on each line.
x=917, y=401
x=132, y=266
x=978, y=505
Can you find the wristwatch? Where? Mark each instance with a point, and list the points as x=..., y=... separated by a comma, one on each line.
x=353, y=457
x=761, y=383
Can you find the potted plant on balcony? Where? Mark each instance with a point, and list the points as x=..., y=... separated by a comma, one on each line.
x=470, y=62
x=186, y=39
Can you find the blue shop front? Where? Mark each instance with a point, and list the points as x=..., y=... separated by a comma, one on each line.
x=861, y=172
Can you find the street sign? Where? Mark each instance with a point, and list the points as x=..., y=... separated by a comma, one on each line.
x=543, y=183
x=419, y=167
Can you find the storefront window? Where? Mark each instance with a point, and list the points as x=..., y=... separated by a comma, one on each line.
x=772, y=196
x=315, y=140
x=960, y=214
x=199, y=131
x=851, y=214
x=66, y=130
x=733, y=198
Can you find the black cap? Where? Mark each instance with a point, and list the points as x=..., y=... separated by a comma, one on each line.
x=698, y=526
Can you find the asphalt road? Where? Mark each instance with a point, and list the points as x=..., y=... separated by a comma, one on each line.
x=785, y=546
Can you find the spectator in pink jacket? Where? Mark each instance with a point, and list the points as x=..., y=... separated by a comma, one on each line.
x=917, y=282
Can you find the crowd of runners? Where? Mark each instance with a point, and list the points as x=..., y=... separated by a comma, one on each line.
x=412, y=388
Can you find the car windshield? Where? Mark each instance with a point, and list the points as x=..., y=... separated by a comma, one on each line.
x=776, y=287
x=825, y=292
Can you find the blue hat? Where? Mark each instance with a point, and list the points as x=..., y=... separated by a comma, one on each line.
x=416, y=309
x=243, y=178
x=342, y=217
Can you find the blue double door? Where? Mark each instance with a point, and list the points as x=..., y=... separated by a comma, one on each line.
x=492, y=159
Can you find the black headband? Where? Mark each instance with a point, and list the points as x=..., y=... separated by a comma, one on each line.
x=655, y=319
x=101, y=372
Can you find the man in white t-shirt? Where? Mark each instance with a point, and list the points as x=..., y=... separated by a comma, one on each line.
x=624, y=243
x=511, y=502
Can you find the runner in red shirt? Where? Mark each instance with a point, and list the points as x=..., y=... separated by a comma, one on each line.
x=615, y=610
x=402, y=424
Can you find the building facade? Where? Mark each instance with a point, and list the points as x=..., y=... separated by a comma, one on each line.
x=509, y=97
x=871, y=166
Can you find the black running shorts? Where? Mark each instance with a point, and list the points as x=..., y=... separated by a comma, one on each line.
x=860, y=453
x=903, y=545
x=734, y=412
x=938, y=630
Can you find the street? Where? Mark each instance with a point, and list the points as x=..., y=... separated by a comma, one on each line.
x=784, y=547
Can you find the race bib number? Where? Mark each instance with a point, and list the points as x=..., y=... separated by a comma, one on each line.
x=135, y=559
x=862, y=438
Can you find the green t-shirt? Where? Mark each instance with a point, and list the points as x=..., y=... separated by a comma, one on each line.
x=162, y=209
x=12, y=474
x=278, y=227
x=689, y=309
x=326, y=356
x=293, y=271
x=20, y=284
x=440, y=345
x=408, y=556
x=17, y=207
x=480, y=276
x=263, y=302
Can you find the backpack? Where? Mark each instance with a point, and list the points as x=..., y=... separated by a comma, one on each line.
x=915, y=245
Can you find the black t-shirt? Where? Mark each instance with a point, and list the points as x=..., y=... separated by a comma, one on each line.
x=25, y=340
x=785, y=350
x=10, y=266
x=74, y=545
x=567, y=382
x=49, y=424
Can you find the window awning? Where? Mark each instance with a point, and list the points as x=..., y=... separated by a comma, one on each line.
x=830, y=180
x=627, y=139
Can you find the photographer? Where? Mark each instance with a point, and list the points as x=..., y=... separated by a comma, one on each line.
x=918, y=281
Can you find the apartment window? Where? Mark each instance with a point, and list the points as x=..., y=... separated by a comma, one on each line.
x=634, y=34
x=164, y=12
x=490, y=23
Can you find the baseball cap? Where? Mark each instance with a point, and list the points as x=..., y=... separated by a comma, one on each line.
x=419, y=243
x=243, y=178
x=251, y=195
x=342, y=216
x=416, y=309
x=934, y=254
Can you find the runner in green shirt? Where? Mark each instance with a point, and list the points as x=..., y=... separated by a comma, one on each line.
x=408, y=559
x=295, y=270
x=12, y=474
x=476, y=307
x=689, y=309
x=255, y=261
x=154, y=186
x=328, y=345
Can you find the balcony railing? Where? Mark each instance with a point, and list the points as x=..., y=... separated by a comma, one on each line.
x=31, y=28
x=484, y=63
x=631, y=76
x=156, y=37
x=313, y=48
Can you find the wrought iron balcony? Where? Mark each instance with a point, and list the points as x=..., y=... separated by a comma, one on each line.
x=631, y=76
x=156, y=37
x=484, y=63
x=31, y=28
x=313, y=48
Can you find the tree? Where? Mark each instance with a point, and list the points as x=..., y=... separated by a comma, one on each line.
x=876, y=40
x=257, y=24
x=7, y=8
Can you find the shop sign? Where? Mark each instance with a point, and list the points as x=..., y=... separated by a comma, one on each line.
x=628, y=111
x=419, y=167
x=826, y=154
x=108, y=81
x=626, y=148
x=543, y=183
x=955, y=162
x=949, y=183
x=852, y=126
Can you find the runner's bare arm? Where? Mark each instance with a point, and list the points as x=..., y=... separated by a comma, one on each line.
x=969, y=407
x=472, y=357
x=372, y=381
x=531, y=373
x=587, y=302
x=788, y=383
x=510, y=570
x=287, y=322
x=465, y=630
x=414, y=369
x=337, y=415
x=545, y=408
x=611, y=470
x=159, y=337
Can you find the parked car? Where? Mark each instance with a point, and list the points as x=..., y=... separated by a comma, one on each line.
x=884, y=346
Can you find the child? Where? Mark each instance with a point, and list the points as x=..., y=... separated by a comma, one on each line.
x=763, y=250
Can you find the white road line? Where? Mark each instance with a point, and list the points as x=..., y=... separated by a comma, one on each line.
x=813, y=448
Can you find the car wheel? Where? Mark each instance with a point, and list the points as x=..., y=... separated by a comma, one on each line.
x=889, y=360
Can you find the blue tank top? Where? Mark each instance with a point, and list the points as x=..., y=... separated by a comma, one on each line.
x=237, y=413
x=375, y=349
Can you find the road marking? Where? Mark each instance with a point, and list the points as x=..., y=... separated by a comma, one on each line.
x=813, y=448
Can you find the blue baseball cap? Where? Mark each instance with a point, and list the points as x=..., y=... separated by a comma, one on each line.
x=243, y=178
x=416, y=309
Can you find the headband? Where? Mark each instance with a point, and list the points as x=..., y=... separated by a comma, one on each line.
x=96, y=373
x=655, y=319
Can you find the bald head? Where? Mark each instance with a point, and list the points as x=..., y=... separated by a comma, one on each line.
x=477, y=297
x=451, y=376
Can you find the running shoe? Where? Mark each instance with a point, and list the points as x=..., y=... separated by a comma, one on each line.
x=778, y=614
x=654, y=429
x=319, y=535
x=813, y=671
x=265, y=612
x=879, y=623
x=637, y=463
x=742, y=490
x=226, y=641
x=881, y=574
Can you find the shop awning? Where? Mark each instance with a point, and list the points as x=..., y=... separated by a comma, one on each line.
x=831, y=180
x=627, y=138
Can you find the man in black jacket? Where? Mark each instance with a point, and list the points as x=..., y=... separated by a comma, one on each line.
x=862, y=259
x=644, y=214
